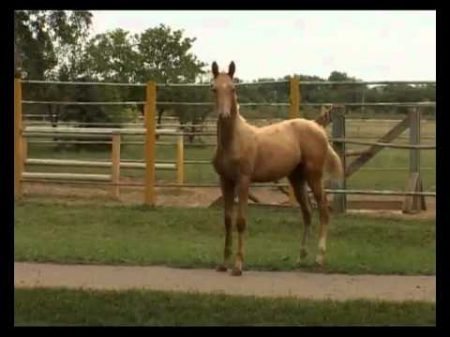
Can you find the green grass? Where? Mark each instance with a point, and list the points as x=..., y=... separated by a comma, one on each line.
x=193, y=237
x=138, y=307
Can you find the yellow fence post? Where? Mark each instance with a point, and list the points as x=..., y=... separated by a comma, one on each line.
x=180, y=160
x=115, y=167
x=18, y=148
x=24, y=152
x=150, y=112
x=294, y=112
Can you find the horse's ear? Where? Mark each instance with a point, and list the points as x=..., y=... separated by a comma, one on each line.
x=215, y=69
x=231, y=69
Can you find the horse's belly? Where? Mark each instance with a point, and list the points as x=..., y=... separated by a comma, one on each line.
x=275, y=164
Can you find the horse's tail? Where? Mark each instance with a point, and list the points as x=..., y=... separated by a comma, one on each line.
x=333, y=165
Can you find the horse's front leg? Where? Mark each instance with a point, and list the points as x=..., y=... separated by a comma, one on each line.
x=243, y=187
x=228, y=188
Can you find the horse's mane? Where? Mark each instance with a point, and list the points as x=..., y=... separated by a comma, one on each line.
x=239, y=112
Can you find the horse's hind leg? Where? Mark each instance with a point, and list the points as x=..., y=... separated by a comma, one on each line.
x=228, y=191
x=316, y=185
x=298, y=184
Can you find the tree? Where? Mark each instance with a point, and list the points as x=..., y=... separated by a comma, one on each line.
x=158, y=54
x=338, y=76
x=41, y=36
x=49, y=45
x=165, y=56
x=112, y=56
x=345, y=93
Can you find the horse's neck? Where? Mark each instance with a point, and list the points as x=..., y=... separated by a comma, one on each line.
x=226, y=132
x=228, y=129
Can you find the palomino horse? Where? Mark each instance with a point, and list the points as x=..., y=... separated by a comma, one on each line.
x=297, y=149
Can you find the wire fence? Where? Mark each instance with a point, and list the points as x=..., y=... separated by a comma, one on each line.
x=34, y=129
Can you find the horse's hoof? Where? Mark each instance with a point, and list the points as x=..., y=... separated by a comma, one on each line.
x=303, y=253
x=221, y=268
x=236, y=272
x=301, y=258
x=320, y=260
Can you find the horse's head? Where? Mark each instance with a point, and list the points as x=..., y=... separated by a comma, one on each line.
x=224, y=90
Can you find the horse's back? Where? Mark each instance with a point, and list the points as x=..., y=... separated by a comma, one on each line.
x=295, y=131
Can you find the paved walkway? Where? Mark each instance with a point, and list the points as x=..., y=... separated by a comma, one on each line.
x=258, y=283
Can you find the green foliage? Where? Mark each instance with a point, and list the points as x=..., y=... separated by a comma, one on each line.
x=111, y=56
x=43, y=39
x=165, y=56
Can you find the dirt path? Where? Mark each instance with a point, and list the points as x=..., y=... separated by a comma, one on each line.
x=265, y=284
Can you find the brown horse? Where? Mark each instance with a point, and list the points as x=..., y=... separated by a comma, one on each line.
x=297, y=149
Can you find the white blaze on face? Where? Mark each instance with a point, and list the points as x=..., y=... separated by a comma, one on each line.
x=223, y=100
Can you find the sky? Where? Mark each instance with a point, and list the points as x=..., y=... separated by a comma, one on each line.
x=369, y=45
